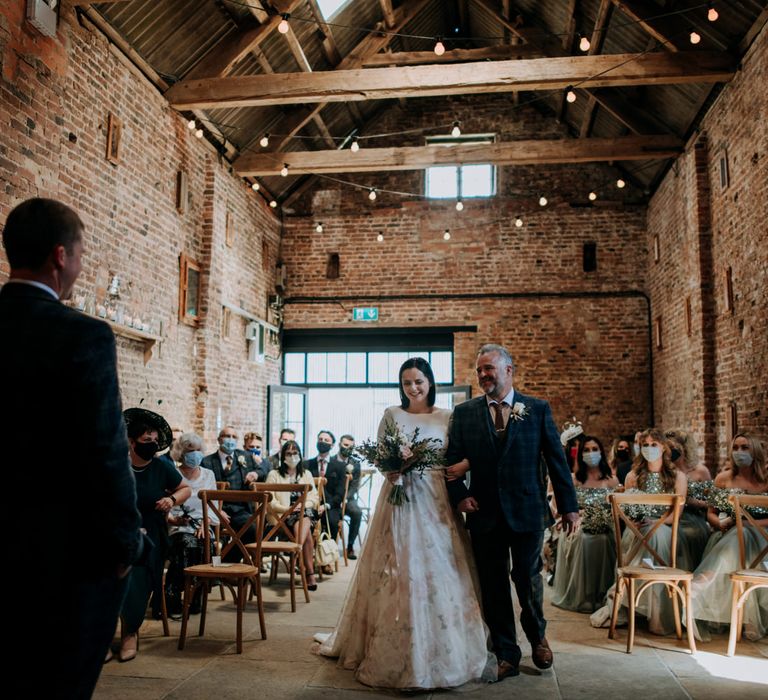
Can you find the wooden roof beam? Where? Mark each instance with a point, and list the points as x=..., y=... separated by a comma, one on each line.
x=595, y=47
x=529, y=152
x=664, y=29
x=419, y=58
x=459, y=79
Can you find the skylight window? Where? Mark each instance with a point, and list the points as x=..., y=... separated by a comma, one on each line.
x=330, y=7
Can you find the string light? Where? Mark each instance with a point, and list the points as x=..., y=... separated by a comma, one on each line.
x=439, y=47
x=694, y=37
x=199, y=133
x=273, y=204
x=284, y=170
x=355, y=147
x=372, y=194
x=264, y=141
x=255, y=187
x=283, y=27
x=570, y=96
x=319, y=227
x=543, y=201
x=584, y=43
x=447, y=235
x=191, y=124
x=380, y=237
x=592, y=196
x=459, y=206
x=621, y=184
x=456, y=131
x=518, y=222
x=712, y=14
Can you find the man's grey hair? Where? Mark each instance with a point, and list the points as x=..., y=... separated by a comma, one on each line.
x=189, y=442
x=501, y=350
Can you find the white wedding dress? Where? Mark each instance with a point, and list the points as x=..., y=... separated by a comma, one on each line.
x=412, y=618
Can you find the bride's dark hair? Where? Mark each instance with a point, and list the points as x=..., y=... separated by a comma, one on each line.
x=423, y=366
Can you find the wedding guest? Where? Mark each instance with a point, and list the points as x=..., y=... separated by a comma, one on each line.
x=353, y=510
x=291, y=470
x=185, y=523
x=173, y=455
x=653, y=473
x=586, y=559
x=159, y=487
x=285, y=435
x=253, y=442
x=711, y=590
x=620, y=459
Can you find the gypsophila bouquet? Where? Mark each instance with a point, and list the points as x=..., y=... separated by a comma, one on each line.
x=398, y=452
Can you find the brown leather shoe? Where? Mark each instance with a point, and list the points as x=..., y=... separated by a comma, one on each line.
x=506, y=669
x=542, y=654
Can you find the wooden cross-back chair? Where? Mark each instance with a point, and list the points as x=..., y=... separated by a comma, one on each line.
x=676, y=581
x=289, y=543
x=320, y=482
x=340, y=534
x=235, y=576
x=752, y=573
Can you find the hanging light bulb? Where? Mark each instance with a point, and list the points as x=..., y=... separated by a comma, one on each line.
x=255, y=187
x=570, y=95
x=273, y=204
x=459, y=206
x=584, y=43
x=284, y=170
x=191, y=124
x=355, y=147
x=439, y=47
x=712, y=14
x=319, y=227
x=199, y=133
x=283, y=27
x=447, y=235
x=264, y=141
x=372, y=194
x=518, y=222
x=380, y=237
x=543, y=201
x=456, y=131
x=621, y=184
x=592, y=196
x=694, y=37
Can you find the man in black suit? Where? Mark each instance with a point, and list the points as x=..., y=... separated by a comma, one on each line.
x=239, y=470
x=335, y=473
x=285, y=435
x=58, y=376
x=511, y=443
x=353, y=510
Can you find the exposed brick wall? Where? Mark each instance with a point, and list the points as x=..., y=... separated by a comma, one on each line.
x=703, y=229
x=55, y=96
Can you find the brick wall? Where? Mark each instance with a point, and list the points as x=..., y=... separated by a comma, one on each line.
x=55, y=97
x=703, y=229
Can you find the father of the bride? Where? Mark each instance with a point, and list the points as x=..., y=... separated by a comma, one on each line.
x=511, y=443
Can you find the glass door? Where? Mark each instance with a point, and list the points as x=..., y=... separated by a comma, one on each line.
x=451, y=396
x=286, y=408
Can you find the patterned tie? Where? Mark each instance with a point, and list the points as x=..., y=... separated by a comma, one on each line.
x=498, y=422
x=228, y=467
x=321, y=461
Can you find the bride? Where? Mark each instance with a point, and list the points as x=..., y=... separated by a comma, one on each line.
x=412, y=618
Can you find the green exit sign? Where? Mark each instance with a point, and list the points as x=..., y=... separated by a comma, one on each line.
x=365, y=313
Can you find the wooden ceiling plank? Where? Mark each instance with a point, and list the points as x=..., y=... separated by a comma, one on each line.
x=418, y=58
x=468, y=78
x=388, y=12
x=663, y=29
x=528, y=152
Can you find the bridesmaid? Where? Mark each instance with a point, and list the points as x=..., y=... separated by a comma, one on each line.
x=587, y=559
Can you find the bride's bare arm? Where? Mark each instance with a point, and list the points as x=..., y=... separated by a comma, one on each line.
x=457, y=471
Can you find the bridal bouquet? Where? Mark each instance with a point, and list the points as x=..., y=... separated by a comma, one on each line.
x=401, y=453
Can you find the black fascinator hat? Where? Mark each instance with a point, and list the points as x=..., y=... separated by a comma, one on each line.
x=154, y=421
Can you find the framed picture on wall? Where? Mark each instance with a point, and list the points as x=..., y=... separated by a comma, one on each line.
x=189, y=291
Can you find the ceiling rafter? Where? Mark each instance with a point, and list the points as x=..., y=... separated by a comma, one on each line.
x=418, y=58
x=596, y=41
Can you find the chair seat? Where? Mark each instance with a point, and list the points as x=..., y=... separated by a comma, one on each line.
x=228, y=571
x=278, y=546
x=660, y=573
x=750, y=575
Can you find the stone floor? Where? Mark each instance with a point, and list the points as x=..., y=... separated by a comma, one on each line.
x=587, y=663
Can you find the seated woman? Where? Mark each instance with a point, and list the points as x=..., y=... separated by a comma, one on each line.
x=693, y=521
x=185, y=523
x=290, y=470
x=711, y=592
x=586, y=560
x=620, y=458
x=653, y=473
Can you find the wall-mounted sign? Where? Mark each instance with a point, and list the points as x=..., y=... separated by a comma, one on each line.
x=365, y=313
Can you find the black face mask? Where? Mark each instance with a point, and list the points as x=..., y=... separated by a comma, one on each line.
x=323, y=448
x=623, y=455
x=146, y=450
x=345, y=452
x=675, y=454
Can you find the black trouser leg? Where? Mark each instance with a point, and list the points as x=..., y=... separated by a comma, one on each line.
x=526, y=575
x=355, y=514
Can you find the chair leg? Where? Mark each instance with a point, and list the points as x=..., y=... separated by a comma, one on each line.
x=188, y=590
x=273, y=569
x=292, y=579
x=689, y=617
x=260, y=603
x=733, y=633
x=343, y=539
x=618, y=591
x=240, y=606
x=676, y=609
x=164, y=606
x=743, y=585
x=304, y=583
x=203, y=609
x=631, y=614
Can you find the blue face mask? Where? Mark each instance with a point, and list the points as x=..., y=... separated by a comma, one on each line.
x=192, y=459
x=592, y=459
x=255, y=451
x=741, y=458
x=228, y=445
x=651, y=452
